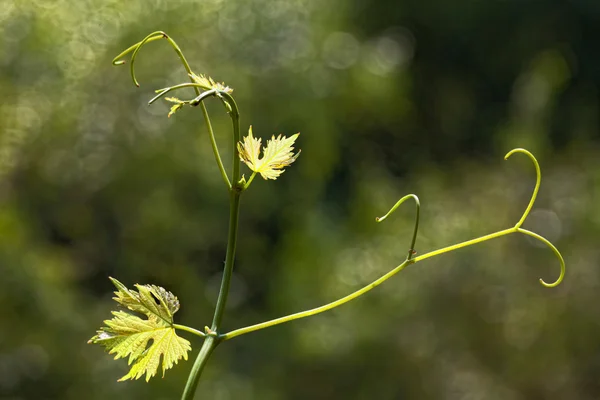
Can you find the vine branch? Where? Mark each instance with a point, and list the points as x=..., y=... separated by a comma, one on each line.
x=212, y=336
x=409, y=260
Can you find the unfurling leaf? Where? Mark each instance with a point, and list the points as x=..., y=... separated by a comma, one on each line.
x=208, y=83
x=175, y=107
x=127, y=335
x=278, y=154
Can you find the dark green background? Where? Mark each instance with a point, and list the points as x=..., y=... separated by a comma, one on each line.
x=390, y=97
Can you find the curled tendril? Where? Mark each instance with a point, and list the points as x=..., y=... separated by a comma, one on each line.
x=158, y=35
x=538, y=180
x=150, y=38
x=411, y=250
x=556, y=252
x=137, y=49
x=516, y=228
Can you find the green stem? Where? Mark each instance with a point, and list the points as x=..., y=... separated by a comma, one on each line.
x=465, y=244
x=211, y=342
x=207, y=348
x=215, y=149
x=229, y=261
x=234, y=210
x=363, y=290
x=354, y=295
x=189, y=329
x=317, y=310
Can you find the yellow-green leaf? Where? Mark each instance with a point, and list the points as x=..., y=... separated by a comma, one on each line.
x=174, y=100
x=175, y=107
x=128, y=335
x=278, y=154
x=208, y=83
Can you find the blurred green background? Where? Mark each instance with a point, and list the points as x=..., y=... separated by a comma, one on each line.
x=390, y=97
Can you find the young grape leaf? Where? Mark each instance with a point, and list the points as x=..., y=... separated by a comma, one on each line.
x=278, y=154
x=128, y=335
x=208, y=83
x=175, y=107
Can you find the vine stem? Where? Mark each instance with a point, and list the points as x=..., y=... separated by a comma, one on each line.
x=229, y=260
x=212, y=341
x=377, y=282
x=317, y=310
x=235, y=187
x=465, y=244
x=235, y=191
x=364, y=289
x=208, y=347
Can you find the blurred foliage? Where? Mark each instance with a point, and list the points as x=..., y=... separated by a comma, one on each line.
x=391, y=97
